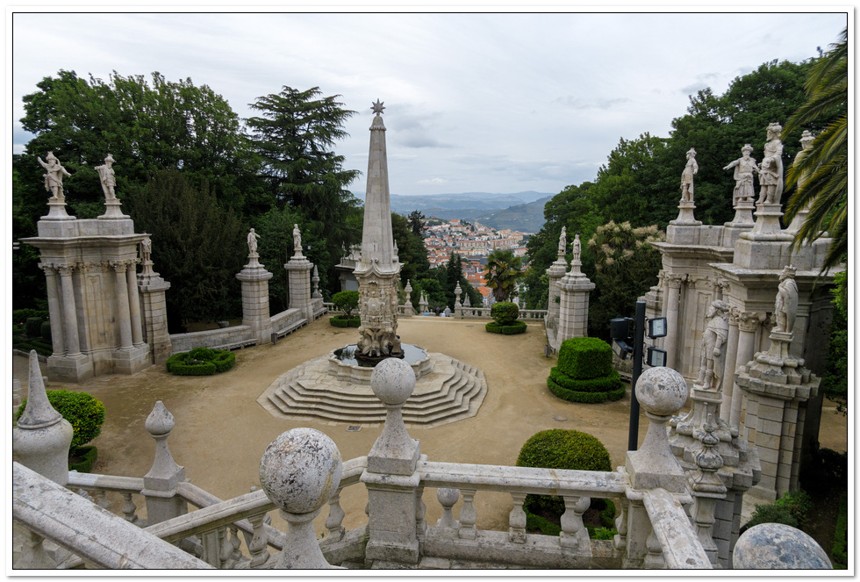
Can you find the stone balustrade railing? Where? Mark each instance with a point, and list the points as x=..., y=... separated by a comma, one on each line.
x=301, y=472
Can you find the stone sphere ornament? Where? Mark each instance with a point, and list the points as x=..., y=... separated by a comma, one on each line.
x=300, y=470
x=661, y=391
x=776, y=546
x=393, y=381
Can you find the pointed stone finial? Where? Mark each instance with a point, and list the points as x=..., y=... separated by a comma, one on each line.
x=378, y=107
x=41, y=437
x=394, y=452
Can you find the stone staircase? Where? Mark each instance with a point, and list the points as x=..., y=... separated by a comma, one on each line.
x=452, y=391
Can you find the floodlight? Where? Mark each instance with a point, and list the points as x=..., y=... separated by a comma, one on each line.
x=619, y=328
x=621, y=349
x=657, y=327
x=656, y=357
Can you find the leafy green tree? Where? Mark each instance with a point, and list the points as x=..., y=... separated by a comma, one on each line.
x=819, y=176
x=503, y=271
x=410, y=249
x=416, y=222
x=626, y=266
x=275, y=228
x=292, y=138
x=197, y=245
x=834, y=384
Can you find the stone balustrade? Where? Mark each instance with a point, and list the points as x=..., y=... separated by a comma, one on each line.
x=301, y=473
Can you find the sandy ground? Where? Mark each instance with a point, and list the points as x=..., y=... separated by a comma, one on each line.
x=221, y=431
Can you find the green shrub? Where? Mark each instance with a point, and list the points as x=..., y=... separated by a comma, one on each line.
x=83, y=459
x=790, y=509
x=344, y=321
x=506, y=329
x=85, y=413
x=608, y=383
x=20, y=316
x=346, y=301
x=504, y=312
x=200, y=362
x=839, y=550
x=585, y=397
x=565, y=449
x=583, y=358
x=45, y=331
x=33, y=327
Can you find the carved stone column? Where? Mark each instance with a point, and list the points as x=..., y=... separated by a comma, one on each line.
x=748, y=324
x=160, y=483
x=731, y=363
x=70, y=319
x=123, y=309
x=134, y=304
x=54, y=309
x=673, y=299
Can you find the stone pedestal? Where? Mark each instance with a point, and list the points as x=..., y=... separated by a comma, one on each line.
x=767, y=226
x=776, y=388
x=299, y=277
x=574, y=288
x=554, y=274
x=685, y=214
x=255, y=300
x=57, y=210
x=153, y=295
x=112, y=210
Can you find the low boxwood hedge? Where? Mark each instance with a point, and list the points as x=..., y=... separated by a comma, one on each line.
x=509, y=329
x=609, y=383
x=585, y=397
x=585, y=357
x=343, y=321
x=201, y=362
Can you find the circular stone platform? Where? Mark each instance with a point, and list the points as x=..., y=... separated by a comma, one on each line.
x=449, y=391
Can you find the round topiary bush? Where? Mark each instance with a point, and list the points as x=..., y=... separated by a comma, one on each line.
x=584, y=372
x=566, y=449
x=505, y=314
x=85, y=413
x=201, y=362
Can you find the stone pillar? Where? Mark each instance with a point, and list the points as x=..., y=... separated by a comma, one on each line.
x=575, y=288
x=123, y=309
x=41, y=437
x=731, y=364
x=70, y=319
x=673, y=299
x=748, y=324
x=554, y=275
x=134, y=304
x=153, y=291
x=299, y=275
x=300, y=471
x=255, y=300
x=54, y=310
x=391, y=477
x=407, y=309
x=160, y=483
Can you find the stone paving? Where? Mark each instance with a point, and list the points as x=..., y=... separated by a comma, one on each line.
x=221, y=430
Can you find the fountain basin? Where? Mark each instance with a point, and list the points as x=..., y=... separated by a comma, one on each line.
x=344, y=365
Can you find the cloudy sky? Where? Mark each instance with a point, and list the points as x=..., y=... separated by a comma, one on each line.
x=492, y=102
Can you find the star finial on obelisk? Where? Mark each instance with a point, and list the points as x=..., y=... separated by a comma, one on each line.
x=378, y=107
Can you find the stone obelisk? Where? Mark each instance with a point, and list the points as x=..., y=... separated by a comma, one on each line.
x=378, y=269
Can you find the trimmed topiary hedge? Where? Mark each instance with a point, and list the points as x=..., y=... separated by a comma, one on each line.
x=85, y=413
x=505, y=312
x=565, y=449
x=344, y=321
x=585, y=373
x=201, y=362
x=509, y=329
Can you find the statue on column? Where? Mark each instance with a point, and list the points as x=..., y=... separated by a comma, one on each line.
x=690, y=170
x=145, y=249
x=54, y=173
x=770, y=170
x=745, y=167
x=297, y=239
x=714, y=337
x=562, y=242
x=785, y=309
x=577, y=248
x=252, y=242
x=107, y=178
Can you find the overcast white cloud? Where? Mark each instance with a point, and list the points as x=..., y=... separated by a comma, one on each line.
x=474, y=102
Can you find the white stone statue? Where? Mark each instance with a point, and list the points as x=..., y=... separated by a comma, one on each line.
x=252, y=242
x=108, y=178
x=785, y=309
x=297, y=239
x=145, y=249
x=577, y=248
x=690, y=170
x=54, y=173
x=562, y=242
x=745, y=167
x=770, y=170
x=713, y=339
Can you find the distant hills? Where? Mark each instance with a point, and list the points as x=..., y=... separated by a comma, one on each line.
x=521, y=211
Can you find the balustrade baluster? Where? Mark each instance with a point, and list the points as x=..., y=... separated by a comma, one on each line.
x=573, y=532
x=517, y=520
x=654, y=559
x=212, y=547
x=228, y=562
x=259, y=542
x=334, y=521
x=619, y=542
x=447, y=499
x=468, y=515
x=420, y=510
x=129, y=509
